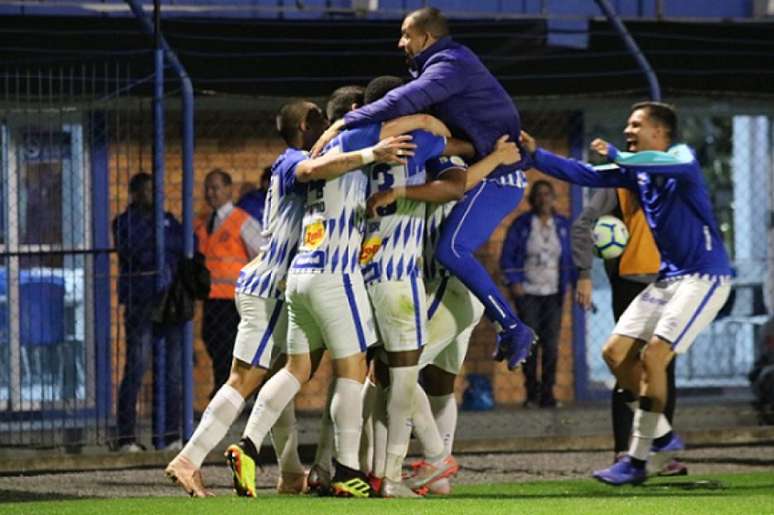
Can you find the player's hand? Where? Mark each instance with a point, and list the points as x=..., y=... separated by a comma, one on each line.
x=326, y=137
x=395, y=149
x=528, y=142
x=378, y=200
x=599, y=146
x=583, y=292
x=517, y=290
x=507, y=152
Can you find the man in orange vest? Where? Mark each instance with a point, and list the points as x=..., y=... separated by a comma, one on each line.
x=229, y=238
x=628, y=275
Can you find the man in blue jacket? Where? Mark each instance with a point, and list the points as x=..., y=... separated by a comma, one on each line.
x=456, y=87
x=537, y=264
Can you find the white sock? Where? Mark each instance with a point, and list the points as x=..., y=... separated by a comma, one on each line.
x=221, y=412
x=277, y=393
x=445, y=412
x=324, y=453
x=367, y=437
x=645, y=423
x=425, y=428
x=284, y=436
x=379, y=417
x=662, y=426
x=400, y=407
x=634, y=405
x=347, y=416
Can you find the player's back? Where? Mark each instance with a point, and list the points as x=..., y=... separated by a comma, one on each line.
x=334, y=218
x=265, y=275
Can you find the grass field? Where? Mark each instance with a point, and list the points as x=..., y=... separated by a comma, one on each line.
x=740, y=494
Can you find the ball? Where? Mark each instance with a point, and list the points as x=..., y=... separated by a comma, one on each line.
x=609, y=236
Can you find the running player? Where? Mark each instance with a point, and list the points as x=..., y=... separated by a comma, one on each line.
x=465, y=95
x=693, y=281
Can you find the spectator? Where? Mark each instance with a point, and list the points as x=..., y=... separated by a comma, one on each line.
x=537, y=264
x=252, y=199
x=229, y=238
x=134, y=236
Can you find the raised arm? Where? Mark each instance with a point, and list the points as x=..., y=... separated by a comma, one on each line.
x=678, y=161
x=414, y=122
x=505, y=153
x=570, y=170
x=448, y=186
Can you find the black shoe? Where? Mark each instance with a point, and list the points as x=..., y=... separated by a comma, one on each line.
x=349, y=482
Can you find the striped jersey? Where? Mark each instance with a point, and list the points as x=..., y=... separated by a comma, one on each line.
x=265, y=275
x=392, y=248
x=436, y=214
x=334, y=219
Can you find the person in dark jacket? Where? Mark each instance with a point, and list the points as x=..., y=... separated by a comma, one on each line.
x=537, y=264
x=454, y=85
x=134, y=237
x=253, y=199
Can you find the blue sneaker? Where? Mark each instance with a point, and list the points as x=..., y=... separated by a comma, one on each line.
x=675, y=444
x=620, y=473
x=515, y=344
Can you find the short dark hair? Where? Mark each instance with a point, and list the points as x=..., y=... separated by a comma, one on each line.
x=380, y=86
x=290, y=118
x=225, y=177
x=431, y=21
x=138, y=180
x=533, y=191
x=662, y=113
x=341, y=101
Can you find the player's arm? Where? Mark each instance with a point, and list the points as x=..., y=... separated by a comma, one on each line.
x=674, y=163
x=602, y=202
x=570, y=170
x=448, y=186
x=439, y=81
x=414, y=122
x=505, y=153
x=394, y=149
x=459, y=147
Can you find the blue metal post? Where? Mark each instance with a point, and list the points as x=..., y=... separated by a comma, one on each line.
x=631, y=45
x=160, y=354
x=188, y=240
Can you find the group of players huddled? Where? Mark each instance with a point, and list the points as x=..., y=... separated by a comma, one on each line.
x=371, y=225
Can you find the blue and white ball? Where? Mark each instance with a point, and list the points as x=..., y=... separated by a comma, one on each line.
x=610, y=236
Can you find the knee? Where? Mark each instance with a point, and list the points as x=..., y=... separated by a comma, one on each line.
x=612, y=354
x=300, y=366
x=245, y=378
x=437, y=381
x=656, y=355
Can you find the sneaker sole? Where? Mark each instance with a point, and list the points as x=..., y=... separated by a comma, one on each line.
x=633, y=483
x=233, y=458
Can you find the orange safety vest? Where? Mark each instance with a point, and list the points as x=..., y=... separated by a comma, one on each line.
x=225, y=253
x=641, y=256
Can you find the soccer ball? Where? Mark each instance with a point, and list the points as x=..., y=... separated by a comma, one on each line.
x=609, y=236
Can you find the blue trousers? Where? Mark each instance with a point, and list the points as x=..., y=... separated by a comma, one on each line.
x=468, y=227
x=141, y=333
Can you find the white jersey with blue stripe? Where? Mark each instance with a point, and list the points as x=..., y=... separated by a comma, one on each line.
x=435, y=216
x=265, y=275
x=334, y=220
x=392, y=249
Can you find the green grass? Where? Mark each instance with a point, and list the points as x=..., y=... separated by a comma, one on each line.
x=740, y=494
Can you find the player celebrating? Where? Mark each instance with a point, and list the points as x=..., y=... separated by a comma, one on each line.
x=452, y=81
x=694, y=278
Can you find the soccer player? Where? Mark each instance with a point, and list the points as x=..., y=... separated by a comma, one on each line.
x=452, y=81
x=328, y=304
x=693, y=281
x=453, y=311
x=628, y=275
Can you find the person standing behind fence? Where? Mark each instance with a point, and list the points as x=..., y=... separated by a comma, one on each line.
x=134, y=237
x=537, y=264
x=229, y=238
x=253, y=199
x=628, y=274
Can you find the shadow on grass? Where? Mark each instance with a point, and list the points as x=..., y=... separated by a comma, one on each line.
x=23, y=496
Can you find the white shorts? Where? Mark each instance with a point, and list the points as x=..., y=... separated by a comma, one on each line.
x=328, y=310
x=675, y=310
x=400, y=310
x=453, y=313
x=262, y=331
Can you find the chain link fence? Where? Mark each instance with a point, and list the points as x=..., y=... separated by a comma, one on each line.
x=78, y=281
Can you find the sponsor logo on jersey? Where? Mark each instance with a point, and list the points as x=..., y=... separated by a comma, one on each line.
x=314, y=235
x=369, y=249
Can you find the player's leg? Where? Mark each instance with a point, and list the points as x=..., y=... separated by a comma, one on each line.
x=469, y=226
x=321, y=471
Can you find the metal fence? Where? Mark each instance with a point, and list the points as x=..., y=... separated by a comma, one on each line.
x=77, y=290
